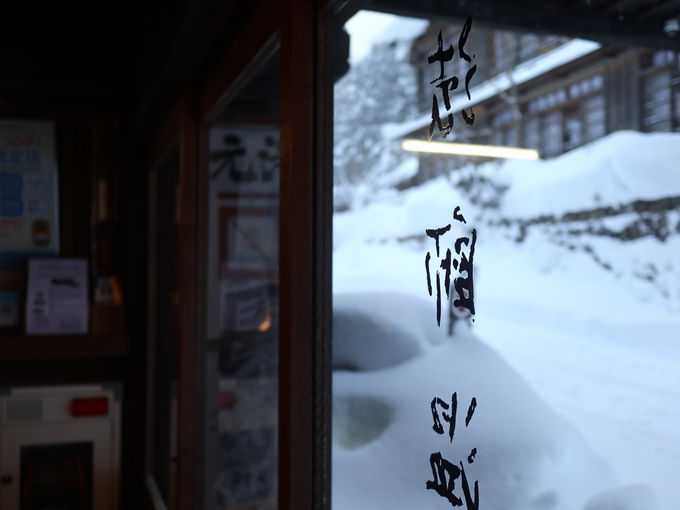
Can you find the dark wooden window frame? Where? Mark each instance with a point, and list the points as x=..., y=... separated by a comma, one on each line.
x=306, y=32
x=179, y=133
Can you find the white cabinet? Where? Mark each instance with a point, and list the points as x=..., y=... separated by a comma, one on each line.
x=59, y=448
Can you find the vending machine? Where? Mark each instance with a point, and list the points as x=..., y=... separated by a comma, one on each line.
x=59, y=448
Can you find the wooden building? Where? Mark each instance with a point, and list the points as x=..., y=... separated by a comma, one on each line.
x=548, y=92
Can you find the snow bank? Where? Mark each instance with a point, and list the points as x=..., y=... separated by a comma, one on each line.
x=368, y=28
x=368, y=334
x=617, y=169
x=383, y=433
x=402, y=172
x=630, y=497
x=395, y=219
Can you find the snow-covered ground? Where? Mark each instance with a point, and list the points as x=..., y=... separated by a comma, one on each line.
x=574, y=355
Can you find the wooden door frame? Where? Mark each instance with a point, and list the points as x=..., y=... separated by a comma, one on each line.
x=179, y=132
x=304, y=240
x=190, y=370
x=305, y=248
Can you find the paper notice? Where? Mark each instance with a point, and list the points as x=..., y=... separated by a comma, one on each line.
x=57, y=298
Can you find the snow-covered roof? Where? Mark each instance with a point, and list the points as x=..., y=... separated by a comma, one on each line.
x=524, y=72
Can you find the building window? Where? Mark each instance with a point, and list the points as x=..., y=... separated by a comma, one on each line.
x=656, y=102
x=552, y=133
x=662, y=58
x=573, y=131
x=532, y=136
x=595, y=117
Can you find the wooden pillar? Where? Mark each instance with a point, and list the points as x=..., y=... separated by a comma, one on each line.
x=305, y=248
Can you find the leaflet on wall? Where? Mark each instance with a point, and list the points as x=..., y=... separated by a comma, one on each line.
x=57, y=300
x=29, y=208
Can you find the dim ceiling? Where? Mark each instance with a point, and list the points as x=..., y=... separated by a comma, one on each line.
x=137, y=58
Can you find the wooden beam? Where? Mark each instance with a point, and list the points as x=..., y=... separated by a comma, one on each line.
x=191, y=381
x=537, y=17
x=621, y=6
x=669, y=8
x=296, y=339
x=62, y=347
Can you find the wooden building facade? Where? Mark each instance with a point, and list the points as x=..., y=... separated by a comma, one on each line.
x=570, y=102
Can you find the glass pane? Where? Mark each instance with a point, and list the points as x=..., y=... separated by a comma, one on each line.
x=505, y=323
x=243, y=296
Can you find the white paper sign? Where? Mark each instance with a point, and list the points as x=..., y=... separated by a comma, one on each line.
x=57, y=300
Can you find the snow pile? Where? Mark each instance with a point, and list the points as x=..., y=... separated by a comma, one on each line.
x=620, y=168
x=629, y=497
x=392, y=219
x=527, y=456
x=368, y=28
x=404, y=171
x=402, y=337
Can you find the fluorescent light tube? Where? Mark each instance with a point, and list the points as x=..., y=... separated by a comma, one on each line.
x=467, y=149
